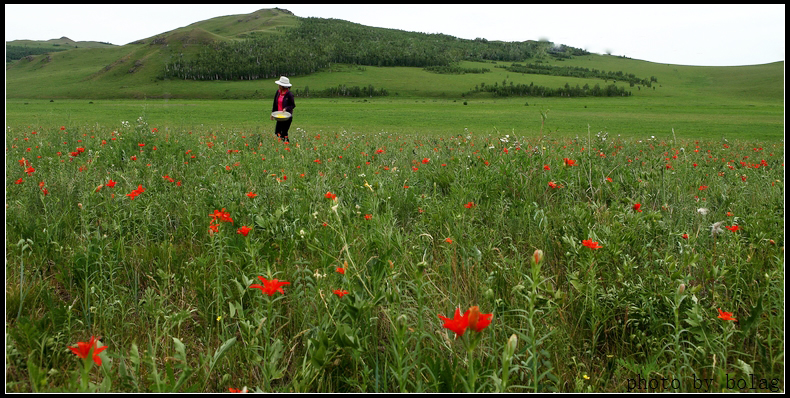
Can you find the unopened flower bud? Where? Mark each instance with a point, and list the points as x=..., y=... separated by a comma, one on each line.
x=537, y=256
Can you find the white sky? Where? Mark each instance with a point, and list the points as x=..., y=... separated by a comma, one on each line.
x=707, y=35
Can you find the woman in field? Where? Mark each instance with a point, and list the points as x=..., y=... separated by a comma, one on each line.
x=283, y=101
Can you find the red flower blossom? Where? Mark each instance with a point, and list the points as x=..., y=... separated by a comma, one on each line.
x=270, y=286
x=30, y=170
x=702, y=187
x=251, y=195
x=110, y=183
x=244, y=230
x=330, y=195
x=19, y=181
x=448, y=240
x=368, y=216
x=221, y=216
x=470, y=205
x=83, y=350
x=685, y=236
x=637, y=207
x=727, y=316
x=471, y=319
x=340, y=270
x=592, y=245
x=425, y=160
x=546, y=167
x=340, y=293
x=552, y=184
x=136, y=192
x=458, y=324
x=569, y=162
x=732, y=228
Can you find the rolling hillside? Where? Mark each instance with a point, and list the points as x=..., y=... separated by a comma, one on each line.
x=138, y=69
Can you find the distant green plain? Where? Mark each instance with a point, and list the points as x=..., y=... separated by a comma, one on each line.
x=567, y=117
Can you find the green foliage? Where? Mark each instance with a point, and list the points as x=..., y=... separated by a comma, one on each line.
x=571, y=71
x=13, y=53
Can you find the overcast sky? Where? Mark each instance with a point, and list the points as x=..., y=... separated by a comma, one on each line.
x=709, y=35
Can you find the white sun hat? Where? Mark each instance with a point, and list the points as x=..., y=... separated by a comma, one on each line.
x=283, y=81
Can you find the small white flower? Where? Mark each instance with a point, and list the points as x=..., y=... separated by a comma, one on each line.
x=703, y=211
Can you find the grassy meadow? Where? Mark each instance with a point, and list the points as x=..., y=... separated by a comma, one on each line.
x=427, y=245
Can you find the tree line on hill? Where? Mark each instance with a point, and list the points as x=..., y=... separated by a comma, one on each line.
x=318, y=42
x=13, y=53
x=531, y=90
x=572, y=71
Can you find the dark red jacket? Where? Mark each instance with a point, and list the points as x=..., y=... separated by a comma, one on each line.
x=288, y=102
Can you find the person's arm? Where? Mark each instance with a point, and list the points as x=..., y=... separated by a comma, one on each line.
x=291, y=103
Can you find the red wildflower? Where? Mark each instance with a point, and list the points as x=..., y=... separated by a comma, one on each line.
x=425, y=160
x=368, y=216
x=685, y=236
x=478, y=321
x=244, y=230
x=30, y=170
x=110, y=183
x=471, y=319
x=637, y=207
x=270, y=286
x=470, y=205
x=19, y=181
x=552, y=184
x=703, y=187
x=340, y=270
x=340, y=293
x=136, y=192
x=330, y=195
x=448, y=240
x=569, y=162
x=732, y=228
x=592, y=245
x=221, y=216
x=83, y=350
x=458, y=324
x=546, y=167
x=727, y=316
x=251, y=195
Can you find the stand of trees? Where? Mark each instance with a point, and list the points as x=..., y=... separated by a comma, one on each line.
x=317, y=42
x=571, y=71
x=531, y=90
x=342, y=91
x=454, y=70
x=13, y=53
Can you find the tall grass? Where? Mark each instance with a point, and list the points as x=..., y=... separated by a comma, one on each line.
x=454, y=221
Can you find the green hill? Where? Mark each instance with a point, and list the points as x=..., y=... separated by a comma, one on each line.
x=18, y=49
x=236, y=56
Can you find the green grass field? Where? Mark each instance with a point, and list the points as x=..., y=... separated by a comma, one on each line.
x=133, y=233
x=627, y=117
